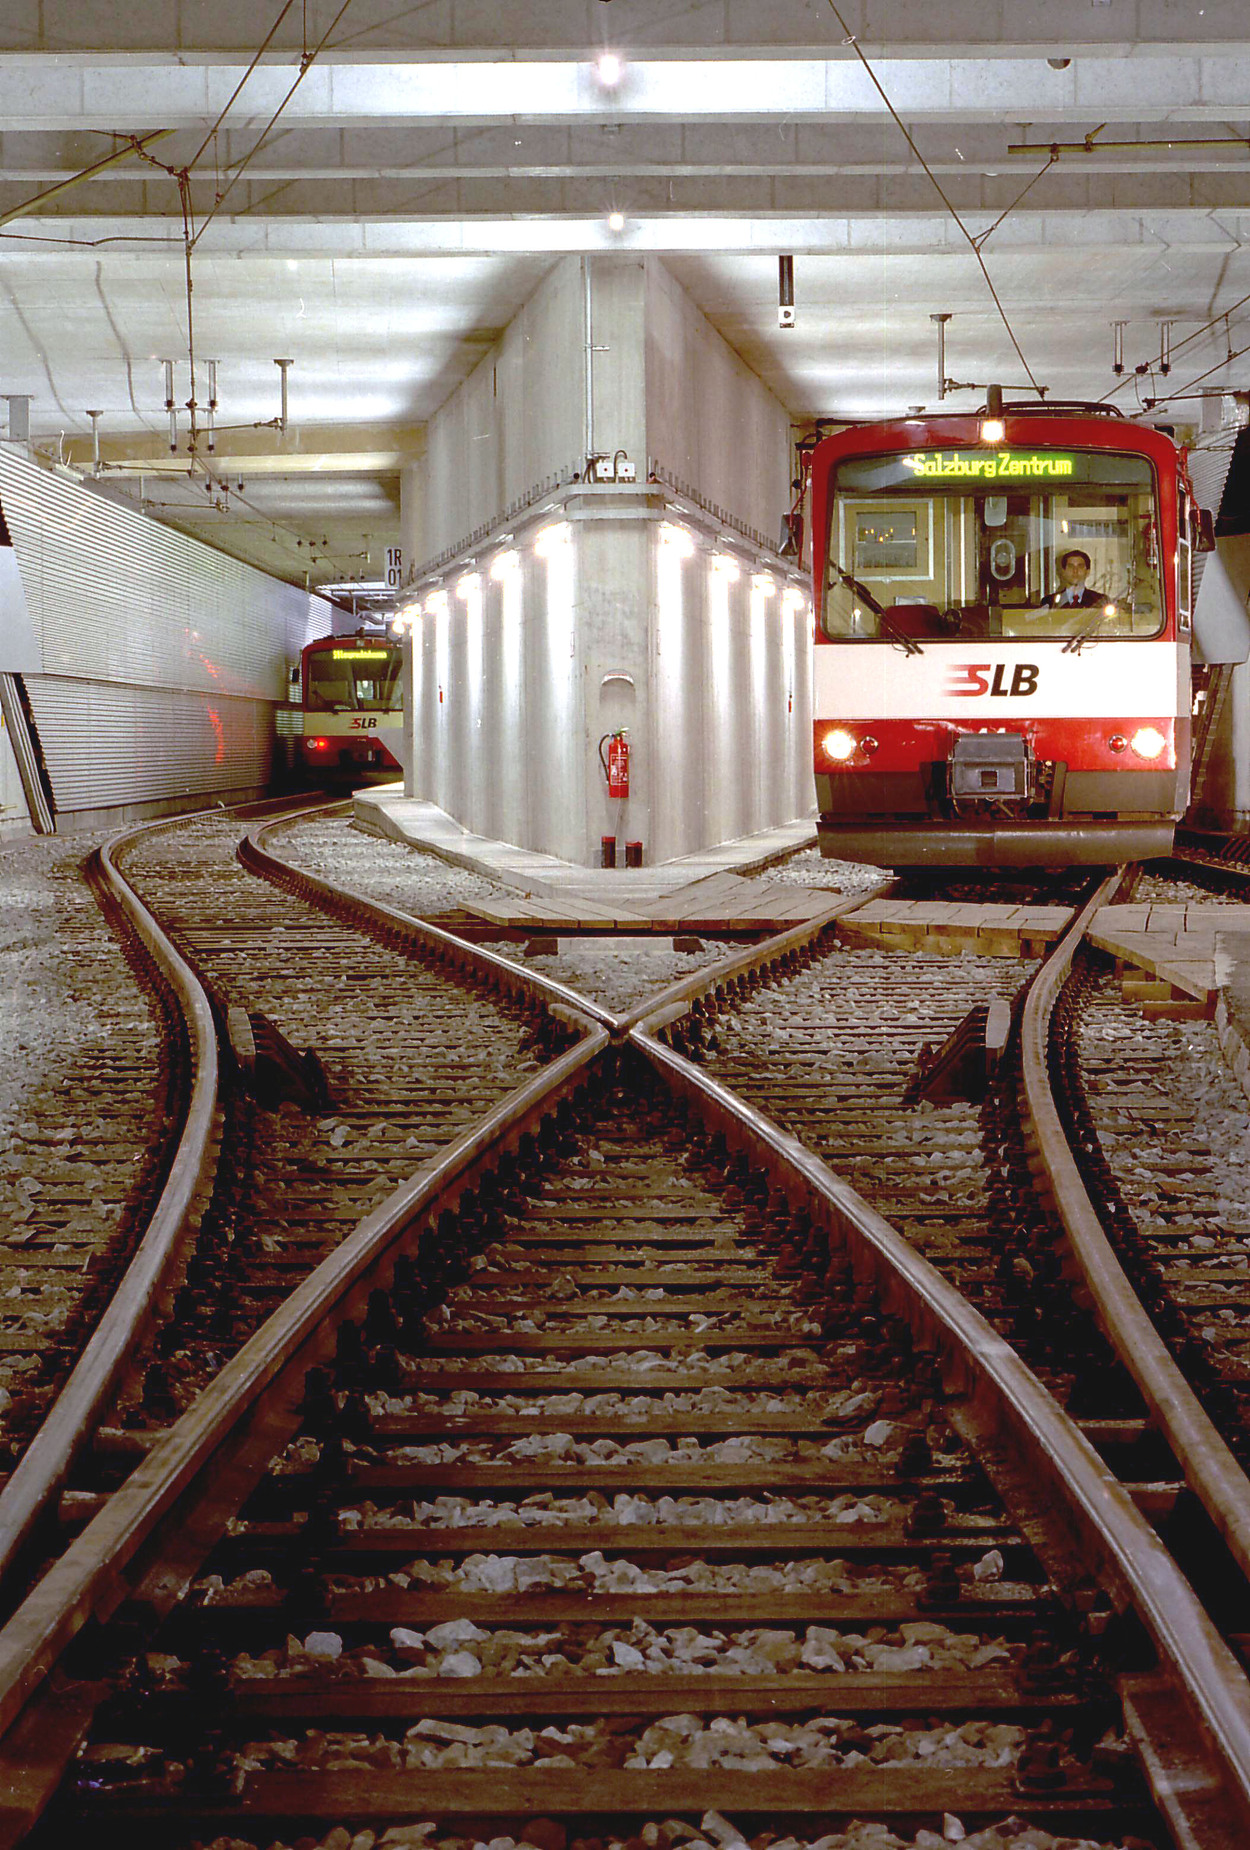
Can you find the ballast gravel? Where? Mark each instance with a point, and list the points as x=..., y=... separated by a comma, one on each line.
x=80, y=1089
x=461, y=1648
x=801, y=1363
x=594, y=1573
x=674, y=1740
x=713, y=1832
x=546, y=1509
x=459, y=1403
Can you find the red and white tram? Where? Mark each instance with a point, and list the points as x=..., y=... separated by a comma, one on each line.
x=1002, y=669
x=351, y=694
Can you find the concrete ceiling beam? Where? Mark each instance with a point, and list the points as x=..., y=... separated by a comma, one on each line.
x=725, y=27
x=135, y=94
x=832, y=232
x=428, y=202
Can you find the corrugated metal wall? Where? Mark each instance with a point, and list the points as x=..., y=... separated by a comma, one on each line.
x=163, y=660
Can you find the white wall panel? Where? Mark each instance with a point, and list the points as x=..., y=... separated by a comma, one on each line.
x=106, y=744
x=163, y=659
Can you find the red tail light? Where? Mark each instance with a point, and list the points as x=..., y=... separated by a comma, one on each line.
x=316, y=745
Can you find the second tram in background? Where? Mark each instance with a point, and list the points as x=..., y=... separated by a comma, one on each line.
x=1004, y=631
x=351, y=699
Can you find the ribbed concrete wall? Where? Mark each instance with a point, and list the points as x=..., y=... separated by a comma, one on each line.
x=161, y=660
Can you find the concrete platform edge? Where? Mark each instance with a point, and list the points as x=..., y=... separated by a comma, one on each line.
x=1233, y=1044
x=378, y=812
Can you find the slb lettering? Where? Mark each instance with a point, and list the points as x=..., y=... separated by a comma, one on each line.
x=971, y=679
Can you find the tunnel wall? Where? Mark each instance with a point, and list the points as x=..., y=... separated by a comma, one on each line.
x=162, y=661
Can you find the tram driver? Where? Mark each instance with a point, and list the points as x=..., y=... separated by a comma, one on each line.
x=1074, y=593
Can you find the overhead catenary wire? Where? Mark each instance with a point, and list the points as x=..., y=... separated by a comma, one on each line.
x=974, y=243
x=306, y=63
x=1180, y=345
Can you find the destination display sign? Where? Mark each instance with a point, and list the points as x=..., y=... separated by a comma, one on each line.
x=358, y=655
x=989, y=466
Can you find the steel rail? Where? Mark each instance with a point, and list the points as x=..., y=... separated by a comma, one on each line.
x=264, y=858
x=679, y=997
x=77, y=1410
x=1099, y=1511
x=114, y=1554
x=75, y=1414
x=1211, y=1470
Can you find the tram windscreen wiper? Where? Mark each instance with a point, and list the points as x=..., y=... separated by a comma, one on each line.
x=908, y=643
x=1085, y=634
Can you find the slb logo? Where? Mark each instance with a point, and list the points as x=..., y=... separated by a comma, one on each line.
x=364, y=722
x=973, y=678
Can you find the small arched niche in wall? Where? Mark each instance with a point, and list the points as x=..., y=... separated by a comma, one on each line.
x=616, y=701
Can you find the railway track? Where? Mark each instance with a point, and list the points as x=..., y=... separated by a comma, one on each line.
x=625, y=1439
x=283, y=1157
x=1159, y=1123
x=82, y=1161
x=534, y=1554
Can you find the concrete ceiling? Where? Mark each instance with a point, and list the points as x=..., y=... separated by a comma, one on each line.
x=380, y=218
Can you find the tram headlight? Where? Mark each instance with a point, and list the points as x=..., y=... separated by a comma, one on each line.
x=1149, y=742
x=839, y=745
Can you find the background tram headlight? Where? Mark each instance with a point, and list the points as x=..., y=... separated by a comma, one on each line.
x=1148, y=742
x=839, y=745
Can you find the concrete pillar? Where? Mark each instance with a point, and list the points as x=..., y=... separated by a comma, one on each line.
x=411, y=515
x=559, y=608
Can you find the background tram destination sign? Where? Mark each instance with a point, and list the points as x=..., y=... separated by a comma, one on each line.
x=996, y=466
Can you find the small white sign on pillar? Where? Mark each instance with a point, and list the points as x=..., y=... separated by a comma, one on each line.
x=394, y=567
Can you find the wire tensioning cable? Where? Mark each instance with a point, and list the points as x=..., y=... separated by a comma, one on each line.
x=974, y=243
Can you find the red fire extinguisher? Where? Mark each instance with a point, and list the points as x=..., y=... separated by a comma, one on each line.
x=616, y=763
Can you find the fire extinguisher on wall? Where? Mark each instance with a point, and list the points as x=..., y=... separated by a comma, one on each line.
x=615, y=763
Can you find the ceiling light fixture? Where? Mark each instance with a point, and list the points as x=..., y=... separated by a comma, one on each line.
x=609, y=69
x=616, y=221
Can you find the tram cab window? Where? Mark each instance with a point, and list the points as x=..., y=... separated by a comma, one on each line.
x=957, y=544
x=355, y=680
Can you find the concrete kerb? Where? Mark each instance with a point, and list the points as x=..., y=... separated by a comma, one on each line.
x=379, y=812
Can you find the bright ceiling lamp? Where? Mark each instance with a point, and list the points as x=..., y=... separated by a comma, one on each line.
x=609, y=69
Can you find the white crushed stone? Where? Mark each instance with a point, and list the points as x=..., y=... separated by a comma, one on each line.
x=546, y=1509
x=674, y=1740
x=593, y=1572
x=832, y=1404
x=713, y=1832
x=69, y=1004
x=881, y=1438
x=459, y=1648
x=800, y=1362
